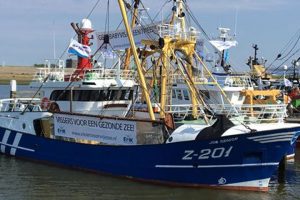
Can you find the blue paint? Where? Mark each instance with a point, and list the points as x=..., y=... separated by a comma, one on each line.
x=145, y=161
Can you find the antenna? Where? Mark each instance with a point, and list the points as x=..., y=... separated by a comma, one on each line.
x=54, y=42
x=235, y=21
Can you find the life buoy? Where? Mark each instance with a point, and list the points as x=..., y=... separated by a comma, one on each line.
x=45, y=103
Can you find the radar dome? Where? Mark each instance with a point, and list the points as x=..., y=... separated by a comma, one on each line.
x=86, y=24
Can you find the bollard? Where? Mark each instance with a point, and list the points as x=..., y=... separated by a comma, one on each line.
x=13, y=88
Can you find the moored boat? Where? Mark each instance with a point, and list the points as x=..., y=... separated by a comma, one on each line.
x=239, y=158
x=222, y=155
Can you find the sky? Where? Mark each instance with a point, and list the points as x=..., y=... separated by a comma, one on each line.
x=30, y=27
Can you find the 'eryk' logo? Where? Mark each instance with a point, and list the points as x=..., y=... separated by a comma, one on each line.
x=61, y=130
x=128, y=139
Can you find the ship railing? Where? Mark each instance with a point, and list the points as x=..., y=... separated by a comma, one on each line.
x=20, y=104
x=260, y=113
x=54, y=70
x=178, y=78
x=43, y=73
x=89, y=74
x=230, y=81
x=181, y=111
x=234, y=81
x=102, y=73
x=175, y=32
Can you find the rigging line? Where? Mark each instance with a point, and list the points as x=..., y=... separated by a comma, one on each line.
x=223, y=92
x=121, y=22
x=199, y=99
x=77, y=73
x=215, y=80
x=60, y=57
x=199, y=26
x=72, y=81
x=271, y=64
x=163, y=66
x=291, y=48
x=288, y=44
x=189, y=78
x=285, y=60
x=171, y=65
x=88, y=16
x=290, y=41
x=42, y=86
x=174, y=67
x=148, y=86
x=106, y=29
x=189, y=11
x=166, y=2
x=94, y=7
x=141, y=24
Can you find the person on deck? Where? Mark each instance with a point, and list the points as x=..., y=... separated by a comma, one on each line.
x=294, y=93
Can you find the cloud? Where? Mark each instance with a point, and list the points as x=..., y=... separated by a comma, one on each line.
x=211, y=6
x=225, y=5
x=31, y=23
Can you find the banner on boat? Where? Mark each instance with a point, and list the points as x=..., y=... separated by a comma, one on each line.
x=108, y=131
x=79, y=49
x=223, y=45
x=118, y=40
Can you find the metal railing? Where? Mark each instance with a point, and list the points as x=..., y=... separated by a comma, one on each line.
x=231, y=81
x=181, y=111
x=20, y=104
x=101, y=73
x=88, y=74
x=175, y=32
x=271, y=113
x=259, y=113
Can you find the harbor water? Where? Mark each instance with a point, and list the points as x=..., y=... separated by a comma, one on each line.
x=22, y=179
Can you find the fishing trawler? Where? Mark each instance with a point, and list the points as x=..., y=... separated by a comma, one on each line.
x=221, y=155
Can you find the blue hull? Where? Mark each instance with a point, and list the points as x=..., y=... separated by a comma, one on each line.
x=234, y=162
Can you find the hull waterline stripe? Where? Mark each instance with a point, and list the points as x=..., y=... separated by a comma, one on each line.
x=15, y=144
x=218, y=166
x=4, y=140
x=273, y=138
x=271, y=135
x=279, y=140
x=23, y=148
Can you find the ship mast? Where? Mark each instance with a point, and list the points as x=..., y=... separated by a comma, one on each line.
x=175, y=38
x=137, y=61
x=133, y=23
x=83, y=33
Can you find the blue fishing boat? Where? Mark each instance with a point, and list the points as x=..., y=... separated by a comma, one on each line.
x=217, y=154
x=245, y=160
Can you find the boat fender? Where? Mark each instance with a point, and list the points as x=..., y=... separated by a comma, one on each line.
x=161, y=42
x=45, y=103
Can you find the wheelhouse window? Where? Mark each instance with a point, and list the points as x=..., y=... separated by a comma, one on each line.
x=179, y=94
x=173, y=94
x=84, y=95
x=60, y=95
x=204, y=94
x=93, y=95
x=186, y=95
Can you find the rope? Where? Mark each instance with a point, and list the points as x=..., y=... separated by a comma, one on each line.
x=60, y=57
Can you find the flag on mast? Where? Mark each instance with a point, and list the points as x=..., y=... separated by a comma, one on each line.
x=223, y=45
x=79, y=49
